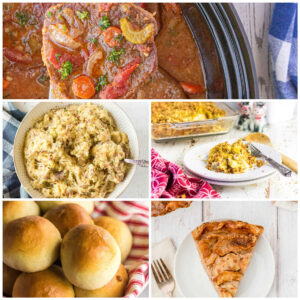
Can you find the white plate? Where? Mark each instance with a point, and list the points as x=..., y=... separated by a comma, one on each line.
x=123, y=123
x=193, y=281
x=197, y=165
x=239, y=183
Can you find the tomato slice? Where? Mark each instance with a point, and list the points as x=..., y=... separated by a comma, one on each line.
x=125, y=72
x=57, y=58
x=112, y=36
x=120, y=85
x=17, y=56
x=191, y=88
x=173, y=7
x=83, y=87
x=105, y=7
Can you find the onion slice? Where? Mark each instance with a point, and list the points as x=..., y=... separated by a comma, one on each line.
x=97, y=55
x=61, y=38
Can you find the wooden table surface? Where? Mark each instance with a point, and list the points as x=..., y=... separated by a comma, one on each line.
x=280, y=230
x=256, y=18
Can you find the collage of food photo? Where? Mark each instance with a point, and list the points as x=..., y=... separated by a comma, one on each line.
x=149, y=150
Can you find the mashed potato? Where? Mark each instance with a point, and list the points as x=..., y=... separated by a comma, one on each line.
x=76, y=151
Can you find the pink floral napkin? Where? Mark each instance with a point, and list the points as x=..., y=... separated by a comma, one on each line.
x=169, y=181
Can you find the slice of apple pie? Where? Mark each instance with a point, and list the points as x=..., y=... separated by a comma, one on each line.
x=226, y=249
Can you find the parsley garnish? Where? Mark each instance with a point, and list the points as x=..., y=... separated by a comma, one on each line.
x=57, y=56
x=49, y=14
x=94, y=41
x=102, y=82
x=22, y=17
x=118, y=37
x=66, y=69
x=114, y=55
x=82, y=15
x=104, y=23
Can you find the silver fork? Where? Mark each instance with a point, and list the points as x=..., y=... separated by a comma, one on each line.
x=282, y=169
x=138, y=162
x=163, y=277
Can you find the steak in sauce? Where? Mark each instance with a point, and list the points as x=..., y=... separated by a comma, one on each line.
x=98, y=51
x=102, y=50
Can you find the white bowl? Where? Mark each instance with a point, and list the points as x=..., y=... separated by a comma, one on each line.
x=122, y=121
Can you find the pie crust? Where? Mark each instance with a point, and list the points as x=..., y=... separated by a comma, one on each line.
x=225, y=250
x=159, y=208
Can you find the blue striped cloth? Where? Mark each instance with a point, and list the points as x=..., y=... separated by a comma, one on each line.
x=12, y=118
x=283, y=42
x=11, y=121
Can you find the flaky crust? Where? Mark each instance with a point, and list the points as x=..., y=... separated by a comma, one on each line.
x=225, y=249
x=159, y=208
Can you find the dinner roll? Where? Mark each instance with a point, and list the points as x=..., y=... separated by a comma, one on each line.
x=47, y=283
x=17, y=209
x=115, y=288
x=90, y=256
x=9, y=277
x=45, y=205
x=120, y=231
x=67, y=216
x=30, y=244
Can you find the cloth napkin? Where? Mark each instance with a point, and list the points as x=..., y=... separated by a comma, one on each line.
x=169, y=181
x=165, y=250
x=11, y=121
x=136, y=215
x=283, y=42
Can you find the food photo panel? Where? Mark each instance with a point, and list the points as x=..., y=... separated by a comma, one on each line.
x=149, y=50
x=95, y=249
x=223, y=249
x=75, y=150
x=224, y=150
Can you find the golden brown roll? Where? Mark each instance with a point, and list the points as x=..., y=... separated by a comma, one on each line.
x=17, y=209
x=47, y=283
x=120, y=231
x=45, y=205
x=115, y=288
x=9, y=277
x=30, y=244
x=67, y=216
x=90, y=256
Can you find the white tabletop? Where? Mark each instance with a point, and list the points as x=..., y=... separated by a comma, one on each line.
x=283, y=136
x=280, y=230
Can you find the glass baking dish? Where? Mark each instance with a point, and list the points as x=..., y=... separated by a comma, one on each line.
x=168, y=131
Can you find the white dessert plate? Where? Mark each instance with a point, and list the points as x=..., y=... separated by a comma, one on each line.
x=240, y=183
x=122, y=120
x=193, y=281
x=195, y=162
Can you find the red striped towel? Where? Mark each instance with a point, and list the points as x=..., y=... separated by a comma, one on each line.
x=136, y=216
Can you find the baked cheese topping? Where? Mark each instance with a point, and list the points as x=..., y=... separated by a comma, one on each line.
x=235, y=158
x=178, y=112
